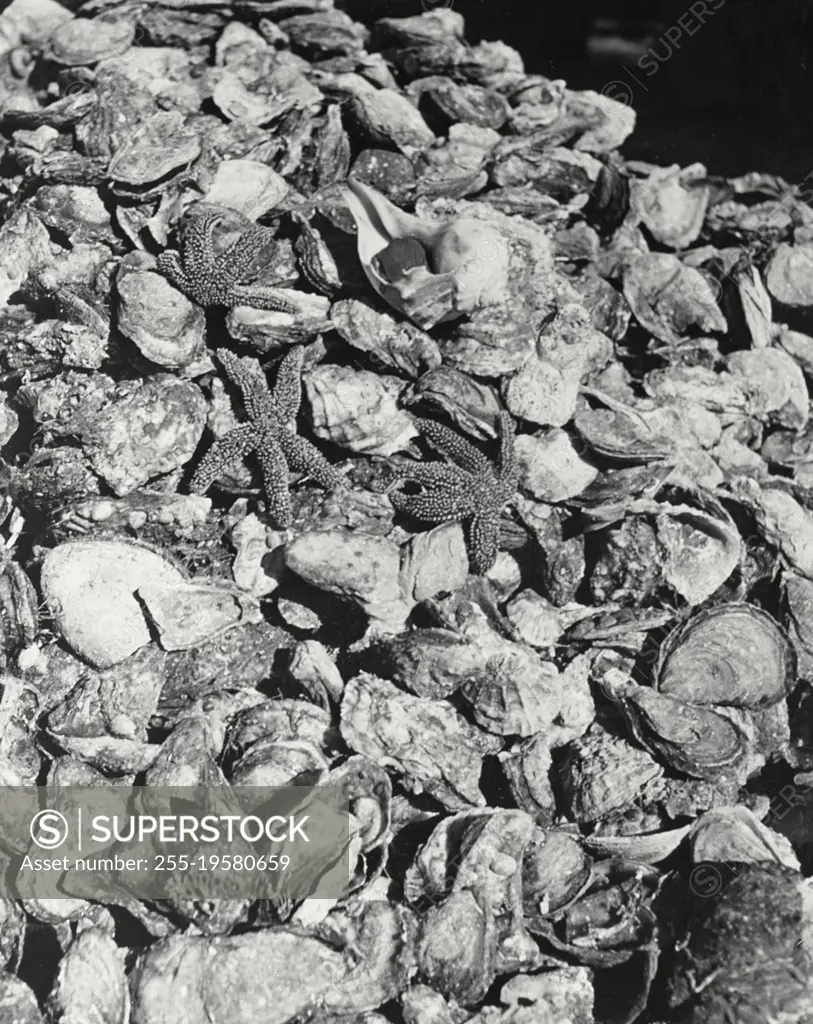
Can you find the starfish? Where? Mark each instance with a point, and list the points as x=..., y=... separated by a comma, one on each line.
x=268, y=434
x=469, y=488
x=224, y=278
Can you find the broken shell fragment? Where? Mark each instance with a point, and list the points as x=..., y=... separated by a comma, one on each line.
x=89, y=588
x=426, y=270
x=734, y=655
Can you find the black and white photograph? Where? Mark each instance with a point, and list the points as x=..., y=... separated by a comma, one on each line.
x=406, y=512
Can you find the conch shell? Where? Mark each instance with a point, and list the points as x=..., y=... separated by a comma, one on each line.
x=430, y=271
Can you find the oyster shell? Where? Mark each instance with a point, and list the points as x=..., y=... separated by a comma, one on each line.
x=426, y=741
x=86, y=41
x=17, y=1001
x=672, y=204
x=696, y=741
x=527, y=769
x=358, y=409
x=384, y=117
x=733, y=655
x=429, y=271
x=398, y=345
x=555, y=870
x=19, y=618
x=91, y=983
x=90, y=586
x=736, y=834
x=159, y=147
x=189, y=614
x=702, y=550
x=668, y=298
x=167, y=327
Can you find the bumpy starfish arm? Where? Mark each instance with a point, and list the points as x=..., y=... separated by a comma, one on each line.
x=246, y=374
x=287, y=390
x=434, y=474
x=196, y=239
x=453, y=445
x=169, y=264
x=260, y=297
x=484, y=532
x=423, y=506
x=224, y=453
x=275, y=480
x=303, y=457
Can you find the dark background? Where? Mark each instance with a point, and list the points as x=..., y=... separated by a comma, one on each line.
x=733, y=91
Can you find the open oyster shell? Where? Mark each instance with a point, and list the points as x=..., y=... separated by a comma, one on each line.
x=429, y=271
x=695, y=741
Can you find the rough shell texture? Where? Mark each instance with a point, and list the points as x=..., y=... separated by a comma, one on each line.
x=735, y=655
x=427, y=742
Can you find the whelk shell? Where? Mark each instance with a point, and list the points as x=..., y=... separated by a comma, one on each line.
x=733, y=655
x=421, y=268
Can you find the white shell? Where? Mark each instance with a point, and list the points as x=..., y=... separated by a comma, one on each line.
x=90, y=587
x=466, y=276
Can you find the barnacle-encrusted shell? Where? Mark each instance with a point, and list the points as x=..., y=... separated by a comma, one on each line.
x=466, y=263
x=734, y=655
x=745, y=930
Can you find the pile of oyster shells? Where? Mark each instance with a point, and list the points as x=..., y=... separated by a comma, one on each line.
x=580, y=783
